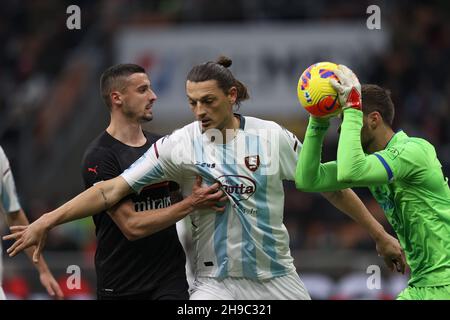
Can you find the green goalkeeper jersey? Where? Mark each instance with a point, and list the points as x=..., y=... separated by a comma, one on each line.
x=405, y=178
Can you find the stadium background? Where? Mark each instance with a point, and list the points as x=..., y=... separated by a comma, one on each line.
x=51, y=108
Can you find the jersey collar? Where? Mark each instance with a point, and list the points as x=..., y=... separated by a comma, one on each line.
x=241, y=120
x=398, y=136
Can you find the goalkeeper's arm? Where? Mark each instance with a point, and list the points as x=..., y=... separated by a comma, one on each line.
x=354, y=167
x=312, y=175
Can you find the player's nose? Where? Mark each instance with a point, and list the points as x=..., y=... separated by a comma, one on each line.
x=199, y=111
x=152, y=96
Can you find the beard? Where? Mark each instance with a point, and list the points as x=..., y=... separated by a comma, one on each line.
x=366, y=141
x=147, y=118
x=365, y=145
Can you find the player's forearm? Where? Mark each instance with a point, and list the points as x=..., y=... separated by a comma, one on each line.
x=143, y=224
x=41, y=266
x=98, y=198
x=349, y=203
x=307, y=173
x=350, y=155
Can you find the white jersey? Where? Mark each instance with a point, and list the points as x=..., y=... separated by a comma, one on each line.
x=249, y=239
x=8, y=197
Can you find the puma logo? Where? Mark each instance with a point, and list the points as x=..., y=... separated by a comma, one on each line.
x=94, y=169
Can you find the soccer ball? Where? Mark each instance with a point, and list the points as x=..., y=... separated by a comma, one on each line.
x=314, y=91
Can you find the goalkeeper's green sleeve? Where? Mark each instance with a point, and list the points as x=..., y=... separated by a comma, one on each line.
x=311, y=175
x=354, y=167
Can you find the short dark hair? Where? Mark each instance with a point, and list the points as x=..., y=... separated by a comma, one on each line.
x=219, y=71
x=376, y=98
x=112, y=79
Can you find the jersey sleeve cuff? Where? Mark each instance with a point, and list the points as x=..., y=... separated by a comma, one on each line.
x=131, y=182
x=318, y=126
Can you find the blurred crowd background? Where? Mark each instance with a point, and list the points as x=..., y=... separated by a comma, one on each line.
x=50, y=106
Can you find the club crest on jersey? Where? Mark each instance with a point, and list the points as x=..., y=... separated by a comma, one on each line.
x=252, y=163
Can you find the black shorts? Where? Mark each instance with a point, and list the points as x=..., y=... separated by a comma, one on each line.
x=173, y=289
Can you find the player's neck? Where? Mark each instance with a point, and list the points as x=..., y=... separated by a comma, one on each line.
x=233, y=127
x=381, y=140
x=127, y=132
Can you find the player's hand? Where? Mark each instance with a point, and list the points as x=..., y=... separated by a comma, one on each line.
x=389, y=248
x=51, y=285
x=348, y=88
x=34, y=234
x=209, y=197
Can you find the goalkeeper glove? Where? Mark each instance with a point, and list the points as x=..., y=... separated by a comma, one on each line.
x=348, y=88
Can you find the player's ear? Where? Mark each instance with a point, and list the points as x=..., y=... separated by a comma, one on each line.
x=374, y=119
x=232, y=95
x=116, y=97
